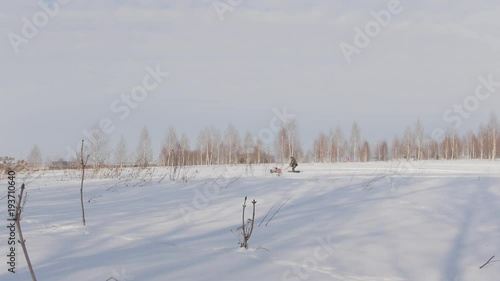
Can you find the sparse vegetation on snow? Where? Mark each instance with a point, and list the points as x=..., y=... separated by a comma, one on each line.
x=344, y=221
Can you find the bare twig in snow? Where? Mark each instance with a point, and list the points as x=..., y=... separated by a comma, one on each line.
x=486, y=263
x=245, y=229
x=22, y=241
x=83, y=163
x=278, y=210
x=267, y=214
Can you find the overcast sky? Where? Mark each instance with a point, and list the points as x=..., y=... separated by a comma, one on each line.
x=238, y=64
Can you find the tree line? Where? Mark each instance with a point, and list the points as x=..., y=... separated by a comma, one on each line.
x=213, y=147
x=411, y=145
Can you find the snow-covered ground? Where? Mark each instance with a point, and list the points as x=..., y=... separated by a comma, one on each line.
x=390, y=221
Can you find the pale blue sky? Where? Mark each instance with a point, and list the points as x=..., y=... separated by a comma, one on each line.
x=263, y=55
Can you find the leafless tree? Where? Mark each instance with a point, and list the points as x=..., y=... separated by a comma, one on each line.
x=201, y=143
x=493, y=128
x=419, y=138
x=167, y=147
x=320, y=148
x=215, y=142
x=121, y=152
x=34, y=157
x=355, y=132
x=433, y=149
x=483, y=141
x=144, y=149
x=209, y=146
x=382, y=151
x=258, y=151
x=330, y=146
x=408, y=143
x=365, y=152
x=293, y=138
x=282, y=144
x=175, y=158
x=451, y=145
x=98, y=147
x=469, y=145
x=185, y=148
x=287, y=142
x=249, y=148
x=232, y=143
x=474, y=145
x=455, y=144
x=446, y=145
x=396, y=148
x=339, y=139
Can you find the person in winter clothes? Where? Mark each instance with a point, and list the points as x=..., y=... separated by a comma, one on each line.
x=293, y=163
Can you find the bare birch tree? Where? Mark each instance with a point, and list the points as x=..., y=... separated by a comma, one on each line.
x=98, y=147
x=483, y=139
x=282, y=144
x=232, y=142
x=167, y=147
x=248, y=147
x=144, y=151
x=34, y=157
x=185, y=148
x=293, y=138
x=365, y=152
x=382, y=151
x=258, y=151
x=121, y=153
x=419, y=138
x=493, y=135
x=471, y=144
x=215, y=142
x=408, y=143
x=433, y=149
x=396, y=148
x=355, y=132
x=320, y=148
x=339, y=139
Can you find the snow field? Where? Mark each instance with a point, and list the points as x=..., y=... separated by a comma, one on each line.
x=388, y=221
